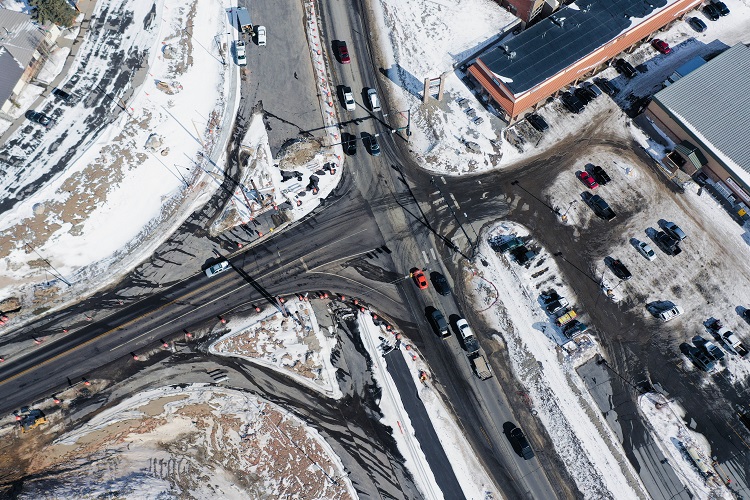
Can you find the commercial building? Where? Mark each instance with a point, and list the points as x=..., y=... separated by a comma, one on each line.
x=706, y=113
x=568, y=46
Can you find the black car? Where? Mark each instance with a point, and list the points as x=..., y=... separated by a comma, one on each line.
x=670, y=245
x=40, y=118
x=711, y=12
x=440, y=283
x=697, y=24
x=619, y=269
x=537, y=122
x=571, y=102
x=599, y=175
x=349, y=142
x=523, y=255
x=595, y=91
x=439, y=324
x=625, y=68
x=573, y=328
x=61, y=94
x=374, y=146
x=525, y=448
x=583, y=95
x=723, y=9
x=606, y=86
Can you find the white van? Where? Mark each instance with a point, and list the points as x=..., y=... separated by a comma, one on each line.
x=373, y=98
x=261, y=34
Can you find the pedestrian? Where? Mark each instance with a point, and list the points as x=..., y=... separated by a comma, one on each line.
x=295, y=76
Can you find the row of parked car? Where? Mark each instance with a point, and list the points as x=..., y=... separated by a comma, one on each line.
x=563, y=314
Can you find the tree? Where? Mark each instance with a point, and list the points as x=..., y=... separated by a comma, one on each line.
x=57, y=11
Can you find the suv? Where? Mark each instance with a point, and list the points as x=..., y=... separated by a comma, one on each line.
x=40, y=118
x=571, y=102
x=697, y=24
x=349, y=141
x=517, y=435
x=606, y=86
x=537, y=122
x=670, y=245
x=674, y=231
x=260, y=32
x=372, y=96
x=624, y=67
x=584, y=94
x=374, y=146
x=723, y=9
x=592, y=88
x=711, y=12
x=217, y=268
x=600, y=175
x=619, y=270
x=439, y=324
x=61, y=94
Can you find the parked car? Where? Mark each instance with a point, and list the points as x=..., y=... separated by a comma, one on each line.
x=349, y=142
x=439, y=323
x=674, y=231
x=372, y=97
x=40, y=118
x=600, y=207
x=509, y=244
x=240, y=52
x=260, y=33
x=661, y=46
x=592, y=88
x=670, y=314
x=619, y=269
x=343, y=53
x=217, y=268
x=600, y=175
x=586, y=178
x=625, y=68
x=348, y=97
x=585, y=94
x=670, y=245
x=571, y=102
x=574, y=328
x=711, y=12
x=537, y=122
x=700, y=358
x=606, y=86
x=712, y=349
x=420, y=279
x=441, y=283
x=374, y=145
x=697, y=24
x=646, y=250
x=723, y=9
x=61, y=94
x=523, y=444
x=523, y=254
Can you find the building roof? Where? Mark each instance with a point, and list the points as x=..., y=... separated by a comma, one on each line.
x=19, y=39
x=713, y=102
x=10, y=72
x=563, y=38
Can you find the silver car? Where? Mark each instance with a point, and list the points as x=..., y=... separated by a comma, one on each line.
x=217, y=268
x=646, y=250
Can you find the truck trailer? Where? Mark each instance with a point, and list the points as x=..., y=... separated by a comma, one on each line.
x=244, y=23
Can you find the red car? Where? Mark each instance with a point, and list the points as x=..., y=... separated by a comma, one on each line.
x=420, y=279
x=661, y=46
x=344, y=53
x=588, y=180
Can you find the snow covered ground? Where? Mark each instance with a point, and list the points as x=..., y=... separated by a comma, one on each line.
x=472, y=477
x=666, y=421
x=295, y=346
x=544, y=361
x=196, y=441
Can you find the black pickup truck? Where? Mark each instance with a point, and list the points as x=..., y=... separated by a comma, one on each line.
x=600, y=175
x=600, y=207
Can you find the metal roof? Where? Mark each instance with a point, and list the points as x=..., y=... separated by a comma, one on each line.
x=563, y=38
x=713, y=102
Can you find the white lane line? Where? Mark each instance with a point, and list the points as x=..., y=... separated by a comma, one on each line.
x=432, y=252
x=443, y=179
x=455, y=202
x=427, y=260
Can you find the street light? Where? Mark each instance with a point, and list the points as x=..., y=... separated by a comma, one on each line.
x=564, y=216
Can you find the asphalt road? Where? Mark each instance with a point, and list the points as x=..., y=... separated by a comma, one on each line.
x=384, y=219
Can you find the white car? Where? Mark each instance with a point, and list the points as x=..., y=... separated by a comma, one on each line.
x=260, y=32
x=464, y=328
x=239, y=48
x=374, y=101
x=351, y=105
x=646, y=250
x=217, y=268
x=670, y=313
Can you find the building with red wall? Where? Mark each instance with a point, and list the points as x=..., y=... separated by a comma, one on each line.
x=568, y=46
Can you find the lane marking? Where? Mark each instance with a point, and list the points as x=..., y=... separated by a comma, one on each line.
x=432, y=252
x=443, y=179
x=455, y=202
x=425, y=257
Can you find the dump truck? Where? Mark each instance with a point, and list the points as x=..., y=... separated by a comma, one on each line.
x=244, y=23
x=566, y=318
x=479, y=365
